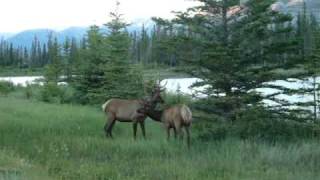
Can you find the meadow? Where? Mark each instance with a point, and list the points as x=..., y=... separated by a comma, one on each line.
x=51, y=141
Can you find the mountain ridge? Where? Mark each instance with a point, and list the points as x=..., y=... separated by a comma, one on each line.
x=26, y=37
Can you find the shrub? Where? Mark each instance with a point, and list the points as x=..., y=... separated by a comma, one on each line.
x=255, y=123
x=67, y=95
x=259, y=123
x=206, y=131
x=51, y=93
x=28, y=93
x=6, y=87
x=54, y=93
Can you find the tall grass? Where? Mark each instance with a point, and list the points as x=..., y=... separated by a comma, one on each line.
x=46, y=141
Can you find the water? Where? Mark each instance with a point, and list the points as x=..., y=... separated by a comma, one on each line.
x=182, y=85
x=23, y=80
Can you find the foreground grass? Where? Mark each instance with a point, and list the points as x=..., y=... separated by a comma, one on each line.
x=43, y=141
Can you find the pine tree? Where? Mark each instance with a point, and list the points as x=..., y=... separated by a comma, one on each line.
x=54, y=68
x=67, y=59
x=234, y=53
x=44, y=55
x=121, y=78
x=89, y=72
x=104, y=70
x=312, y=58
x=74, y=56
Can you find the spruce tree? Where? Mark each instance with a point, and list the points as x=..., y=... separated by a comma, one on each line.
x=89, y=72
x=234, y=49
x=54, y=68
x=122, y=80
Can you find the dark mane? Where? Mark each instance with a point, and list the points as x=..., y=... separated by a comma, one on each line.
x=154, y=114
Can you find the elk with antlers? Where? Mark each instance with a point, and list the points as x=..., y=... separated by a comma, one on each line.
x=127, y=111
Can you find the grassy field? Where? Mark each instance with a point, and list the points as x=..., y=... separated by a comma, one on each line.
x=47, y=141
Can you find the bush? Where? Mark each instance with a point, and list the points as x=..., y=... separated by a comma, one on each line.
x=207, y=131
x=259, y=123
x=51, y=93
x=67, y=95
x=28, y=93
x=6, y=87
x=54, y=93
x=255, y=123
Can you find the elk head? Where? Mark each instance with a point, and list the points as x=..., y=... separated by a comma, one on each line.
x=156, y=93
x=151, y=102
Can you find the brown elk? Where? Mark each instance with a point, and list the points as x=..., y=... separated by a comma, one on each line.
x=175, y=117
x=127, y=111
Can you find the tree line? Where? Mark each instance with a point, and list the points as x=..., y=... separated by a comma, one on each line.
x=145, y=47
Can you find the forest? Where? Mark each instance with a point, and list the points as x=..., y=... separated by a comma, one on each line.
x=55, y=129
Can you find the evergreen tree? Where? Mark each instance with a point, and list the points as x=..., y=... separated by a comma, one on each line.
x=121, y=78
x=74, y=56
x=90, y=69
x=44, y=55
x=54, y=68
x=25, y=58
x=234, y=53
x=312, y=65
x=67, y=59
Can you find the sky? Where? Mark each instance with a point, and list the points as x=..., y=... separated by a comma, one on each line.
x=19, y=15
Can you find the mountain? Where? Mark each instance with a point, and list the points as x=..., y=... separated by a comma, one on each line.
x=73, y=32
x=295, y=7
x=6, y=35
x=25, y=38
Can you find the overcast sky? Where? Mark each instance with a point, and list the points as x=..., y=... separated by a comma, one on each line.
x=18, y=15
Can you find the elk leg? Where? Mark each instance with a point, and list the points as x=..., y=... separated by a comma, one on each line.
x=175, y=133
x=180, y=133
x=188, y=135
x=105, y=129
x=109, y=124
x=135, y=130
x=177, y=126
x=111, y=127
x=143, y=129
x=168, y=133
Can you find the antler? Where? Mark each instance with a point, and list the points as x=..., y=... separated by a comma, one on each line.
x=163, y=87
x=158, y=88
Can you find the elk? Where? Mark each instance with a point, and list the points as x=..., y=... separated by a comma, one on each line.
x=175, y=117
x=123, y=110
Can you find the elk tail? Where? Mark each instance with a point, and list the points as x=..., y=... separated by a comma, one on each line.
x=186, y=114
x=105, y=105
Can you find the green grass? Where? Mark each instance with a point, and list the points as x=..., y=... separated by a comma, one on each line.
x=47, y=141
x=14, y=71
x=149, y=72
x=162, y=73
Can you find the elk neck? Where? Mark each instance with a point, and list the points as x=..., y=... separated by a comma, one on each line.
x=155, y=114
